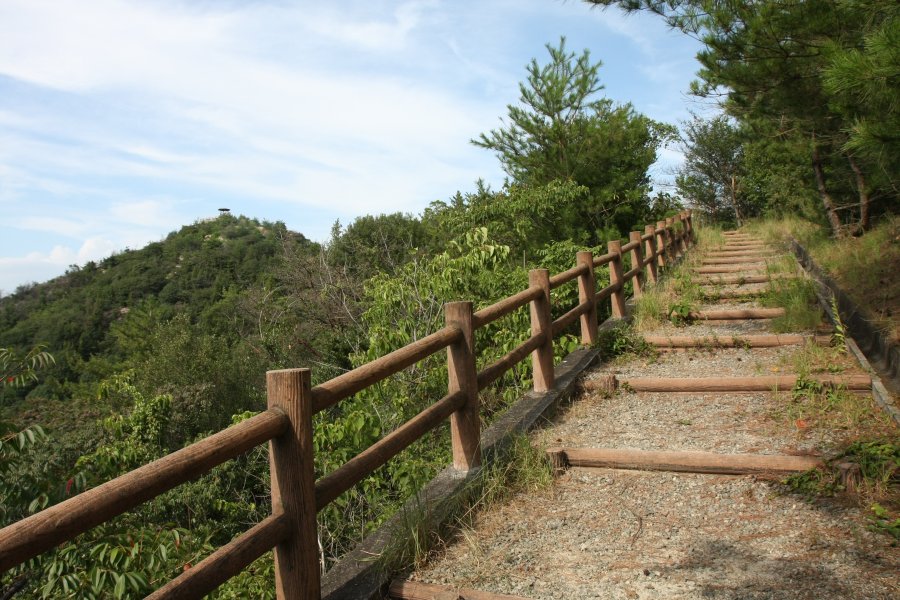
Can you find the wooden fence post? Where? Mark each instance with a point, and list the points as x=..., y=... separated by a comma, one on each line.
x=637, y=262
x=689, y=218
x=587, y=292
x=663, y=258
x=297, y=572
x=615, y=277
x=649, y=251
x=465, y=423
x=542, y=357
x=671, y=242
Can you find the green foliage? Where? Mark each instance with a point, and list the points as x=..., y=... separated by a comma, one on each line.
x=526, y=218
x=798, y=298
x=562, y=132
x=373, y=244
x=17, y=370
x=623, y=340
x=712, y=176
x=816, y=83
x=884, y=521
x=680, y=313
x=878, y=463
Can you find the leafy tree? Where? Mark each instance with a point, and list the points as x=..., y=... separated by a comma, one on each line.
x=523, y=217
x=376, y=243
x=712, y=174
x=792, y=66
x=863, y=82
x=562, y=131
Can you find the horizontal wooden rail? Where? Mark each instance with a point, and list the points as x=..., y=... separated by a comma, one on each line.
x=567, y=276
x=567, y=319
x=631, y=274
x=630, y=246
x=683, y=462
x=605, y=259
x=496, y=369
x=360, y=466
x=227, y=561
x=504, y=307
x=765, y=383
x=647, y=237
x=333, y=391
x=607, y=292
x=40, y=532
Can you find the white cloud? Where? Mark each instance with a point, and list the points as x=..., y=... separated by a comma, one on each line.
x=121, y=120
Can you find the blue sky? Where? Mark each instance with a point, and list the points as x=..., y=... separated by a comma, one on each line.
x=123, y=120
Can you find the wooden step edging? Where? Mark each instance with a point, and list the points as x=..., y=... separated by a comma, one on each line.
x=764, y=383
x=414, y=590
x=737, y=279
x=735, y=341
x=753, y=268
x=736, y=314
x=681, y=461
x=735, y=260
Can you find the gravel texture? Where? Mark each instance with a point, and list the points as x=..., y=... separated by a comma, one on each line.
x=619, y=534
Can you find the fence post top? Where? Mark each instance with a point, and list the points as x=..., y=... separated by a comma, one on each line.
x=280, y=372
x=661, y=223
x=539, y=271
x=649, y=229
x=584, y=253
x=459, y=303
x=614, y=245
x=634, y=236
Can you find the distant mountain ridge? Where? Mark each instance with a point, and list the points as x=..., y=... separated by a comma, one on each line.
x=189, y=272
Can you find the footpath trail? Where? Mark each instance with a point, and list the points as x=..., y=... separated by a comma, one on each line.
x=716, y=521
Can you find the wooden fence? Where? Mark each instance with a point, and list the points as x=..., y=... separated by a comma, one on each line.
x=292, y=402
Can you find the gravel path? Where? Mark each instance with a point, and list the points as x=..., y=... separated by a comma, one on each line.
x=628, y=535
x=618, y=534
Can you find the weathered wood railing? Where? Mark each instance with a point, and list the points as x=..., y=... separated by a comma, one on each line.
x=292, y=402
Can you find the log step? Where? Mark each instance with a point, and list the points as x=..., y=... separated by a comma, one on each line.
x=735, y=279
x=736, y=313
x=682, y=462
x=743, y=341
x=766, y=383
x=742, y=254
x=414, y=590
x=735, y=260
x=730, y=268
x=734, y=294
